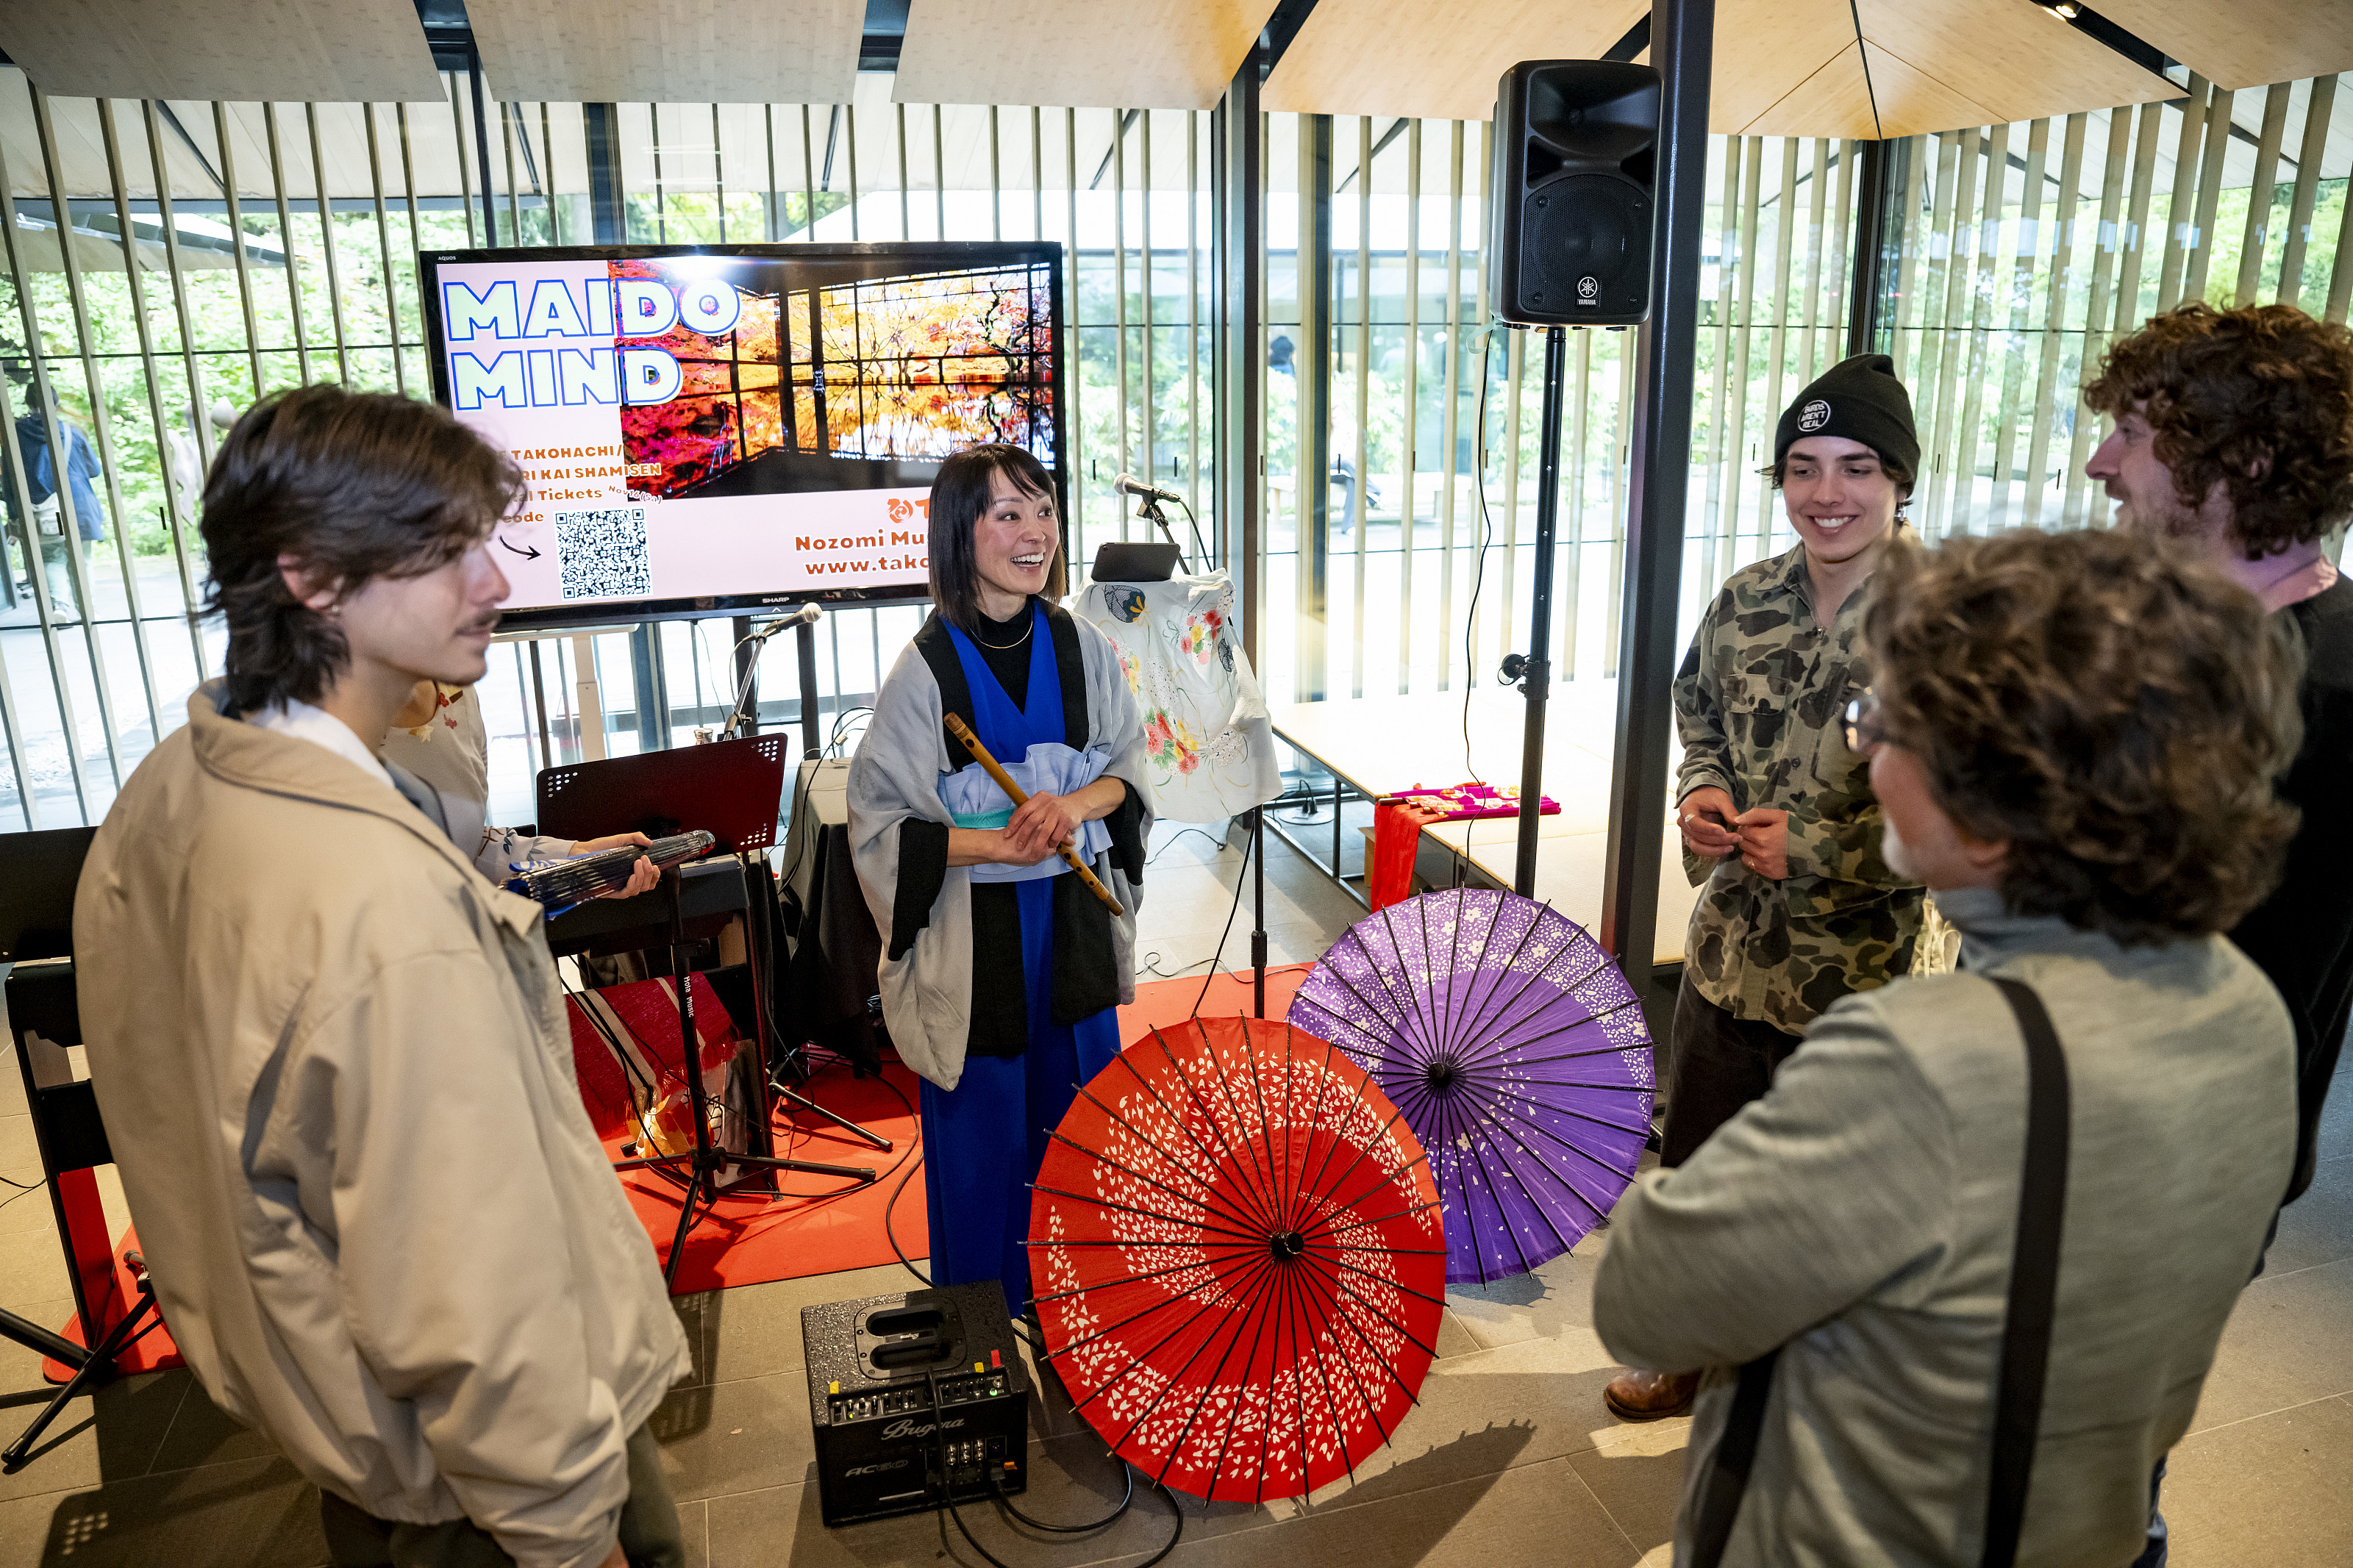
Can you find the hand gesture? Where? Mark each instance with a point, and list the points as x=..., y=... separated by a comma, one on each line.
x=1039, y=826
x=1763, y=834
x=1706, y=818
x=643, y=877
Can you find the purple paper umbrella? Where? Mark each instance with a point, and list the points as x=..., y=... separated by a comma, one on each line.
x=1517, y=1052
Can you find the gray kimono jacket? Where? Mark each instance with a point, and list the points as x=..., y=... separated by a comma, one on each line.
x=926, y=985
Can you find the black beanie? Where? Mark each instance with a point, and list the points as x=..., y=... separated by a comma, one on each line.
x=1860, y=399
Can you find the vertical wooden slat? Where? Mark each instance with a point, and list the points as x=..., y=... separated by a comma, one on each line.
x=2209, y=194
x=906, y=212
x=1361, y=491
x=2316, y=112
x=1483, y=401
x=1964, y=445
x=2259, y=194
x=384, y=248
x=1953, y=346
x=2107, y=255
x=1912, y=235
x=2135, y=240
x=808, y=176
x=1148, y=417
x=409, y=200
x=1119, y=295
x=2054, y=317
x=182, y=523
x=849, y=148
x=1736, y=485
x=2341, y=277
x=285, y=238
x=1449, y=416
x=996, y=182
x=1073, y=380
x=327, y=244
x=2025, y=249
x=2180, y=211
x=1622, y=452
x=1193, y=349
x=507, y=137
x=1936, y=243
x=718, y=175
x=1723, y=438
x=940, y=173
x=1785, y=238
x=151, y=379
x=466, y=167
x=1515, y=378
x=1407, y=457
x=1574, y=475
x=1818, y=240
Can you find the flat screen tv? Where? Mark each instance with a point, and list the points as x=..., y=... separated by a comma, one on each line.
x=717, y=429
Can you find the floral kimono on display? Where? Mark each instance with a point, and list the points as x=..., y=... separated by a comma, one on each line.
x=1000, y=983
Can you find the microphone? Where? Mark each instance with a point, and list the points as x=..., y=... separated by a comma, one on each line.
x=807, y=616
x=1128, y=484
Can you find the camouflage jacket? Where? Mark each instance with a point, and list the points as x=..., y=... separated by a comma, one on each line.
x=1760, y=702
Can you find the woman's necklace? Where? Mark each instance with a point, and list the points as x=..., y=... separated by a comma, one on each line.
x=1006, y=647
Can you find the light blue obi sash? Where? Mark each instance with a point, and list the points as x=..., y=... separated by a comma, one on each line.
x=973, y=798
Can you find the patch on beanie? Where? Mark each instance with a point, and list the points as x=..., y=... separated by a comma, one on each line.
x=1814, y=416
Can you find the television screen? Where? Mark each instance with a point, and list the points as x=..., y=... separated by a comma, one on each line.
x=712, y=429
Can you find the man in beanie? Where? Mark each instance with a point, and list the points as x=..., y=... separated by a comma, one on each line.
x=1777, y=814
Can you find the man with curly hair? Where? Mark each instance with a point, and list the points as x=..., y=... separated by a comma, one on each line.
x=2233, y=437
x=2071, y=743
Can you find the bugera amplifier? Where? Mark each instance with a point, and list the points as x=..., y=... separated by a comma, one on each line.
x=873, y=1364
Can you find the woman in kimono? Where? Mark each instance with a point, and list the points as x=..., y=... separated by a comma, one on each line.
x=1001, y=972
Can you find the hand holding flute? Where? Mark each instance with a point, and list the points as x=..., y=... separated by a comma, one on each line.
x=1020, y=798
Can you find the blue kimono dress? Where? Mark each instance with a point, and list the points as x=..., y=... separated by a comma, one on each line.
x=985, y=1138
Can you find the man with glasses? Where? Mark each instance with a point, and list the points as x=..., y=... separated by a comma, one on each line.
x=1777, y=814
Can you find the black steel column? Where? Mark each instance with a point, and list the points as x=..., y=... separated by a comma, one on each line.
x=607, y=222
x=483, y=153
x=1537, y=681
x=1241, y=336
x=646, y=667
x=1881, y=175
x=747, y=655
x=1681, y=46
x=805, y=650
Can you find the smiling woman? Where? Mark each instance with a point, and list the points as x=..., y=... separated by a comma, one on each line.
x=1001, y=972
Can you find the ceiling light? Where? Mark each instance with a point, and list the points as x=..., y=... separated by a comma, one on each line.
x=2064, y=9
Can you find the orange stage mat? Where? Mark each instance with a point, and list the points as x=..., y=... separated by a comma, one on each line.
x=820, y=1227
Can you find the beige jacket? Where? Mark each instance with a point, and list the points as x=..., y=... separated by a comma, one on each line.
x=340, y=1089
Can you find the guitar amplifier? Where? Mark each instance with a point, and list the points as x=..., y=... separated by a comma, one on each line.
x=873, y=1366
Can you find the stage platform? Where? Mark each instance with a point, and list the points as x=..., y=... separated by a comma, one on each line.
x=1374, y=746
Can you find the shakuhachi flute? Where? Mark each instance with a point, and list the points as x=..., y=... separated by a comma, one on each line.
x=971, y=743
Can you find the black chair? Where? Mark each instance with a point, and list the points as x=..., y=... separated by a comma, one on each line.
x=37, y=874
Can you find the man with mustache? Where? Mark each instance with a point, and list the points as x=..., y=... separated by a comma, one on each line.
x=335, y=1056
x=2233, y=440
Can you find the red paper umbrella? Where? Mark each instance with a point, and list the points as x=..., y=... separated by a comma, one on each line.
x=1236, y=1252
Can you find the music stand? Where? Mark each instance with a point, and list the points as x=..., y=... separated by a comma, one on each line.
x=731, y=791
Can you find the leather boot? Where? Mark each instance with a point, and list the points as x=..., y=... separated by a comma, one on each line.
x=1650, y=1395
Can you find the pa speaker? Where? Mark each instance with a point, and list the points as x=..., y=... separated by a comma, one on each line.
x=1574, y=172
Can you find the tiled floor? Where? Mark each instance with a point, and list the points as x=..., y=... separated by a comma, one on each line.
x=1509, y=1460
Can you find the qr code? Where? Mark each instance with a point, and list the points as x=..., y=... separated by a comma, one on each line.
x=603, y=553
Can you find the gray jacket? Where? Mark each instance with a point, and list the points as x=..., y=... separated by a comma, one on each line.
x=1864, y=1210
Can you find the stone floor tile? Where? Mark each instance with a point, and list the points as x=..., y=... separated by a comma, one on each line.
x=202, y=1432
x=755, y=1329
x=1453, y=1338
x=2289, y=1341
x=735, y=1437
x=33, y=1263
x=2318, y=1226
x=111, y=1435
x=1542, y=1302
x=20, y=1368
x=255, y=1513
x=1540, y=1515
x=2275, y=1490
x=1638, y=1478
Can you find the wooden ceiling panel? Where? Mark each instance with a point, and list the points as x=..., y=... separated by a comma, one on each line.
x=1833, y=101
x=2019, y=61
x=1770, y=55
x=2243, y=43
x=669, y=51
x=1438, y=59
x=318, y=51
x=1911, y=102
x=1083, y=54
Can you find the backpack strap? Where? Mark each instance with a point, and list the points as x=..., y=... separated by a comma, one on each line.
x=2033, y=1276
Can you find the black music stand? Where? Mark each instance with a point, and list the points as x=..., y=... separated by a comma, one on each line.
x=732, y=791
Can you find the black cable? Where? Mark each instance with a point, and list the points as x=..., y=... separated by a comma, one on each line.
x=1157, y=853
x=1234, y=909
x=947, y=1497
x=1479, y=566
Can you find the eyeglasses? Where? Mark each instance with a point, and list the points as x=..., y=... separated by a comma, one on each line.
x=1864, y=729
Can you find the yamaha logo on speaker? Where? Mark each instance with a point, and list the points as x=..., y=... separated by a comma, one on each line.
x=1814, y=416
x=1588, y=290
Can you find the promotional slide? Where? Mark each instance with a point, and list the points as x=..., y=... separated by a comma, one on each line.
x=737, y=427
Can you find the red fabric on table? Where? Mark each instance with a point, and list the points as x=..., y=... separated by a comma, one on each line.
x=1397, y=834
